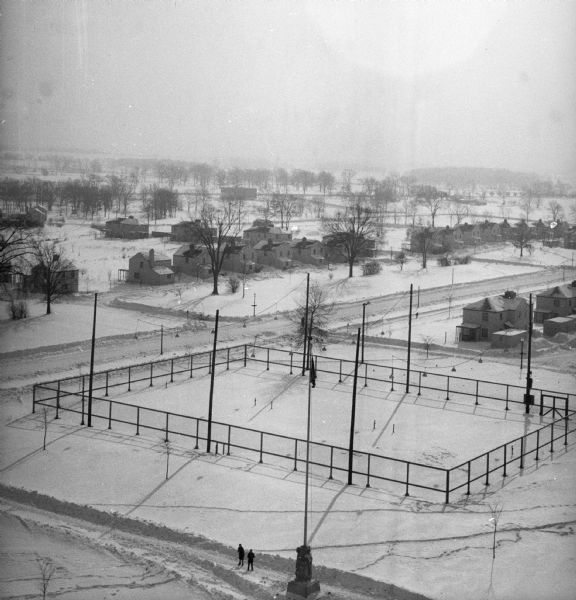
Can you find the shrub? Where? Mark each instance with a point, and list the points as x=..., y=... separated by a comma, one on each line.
x=233, y=284
x=444, y=261
x=462, y=260
x=371, y=267
x=18, y=309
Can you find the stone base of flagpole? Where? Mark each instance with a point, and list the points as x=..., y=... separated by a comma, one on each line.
x=303, y=587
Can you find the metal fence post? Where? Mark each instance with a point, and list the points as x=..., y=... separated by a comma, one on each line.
x=419, y=383
x=541, y=403
x=137, y=420
x=392, y=378
x=229, y=436
x=291, y=358
x=106, y=394
x=34, y=399
x=228, y=360
x=109, y=414
x=340, y=375
x=268, y=359
x=487, y=482
x=407, y=478
x=448, y=387
x=552, y=437
x=83, y=399
x=261, y=445
x=447, y=487
x=476, y=403
x=366, y=375
x=505, y=459
x=171, y=370
x=537, y=443
x=566, y=423
x=129, y=377
x=507, y=396
x=368, y=474
x=151, y=372
x=57, y=400
x=295, y=455
x=166, y=429
x=468, y=479
x=331, y=460
x=522, y=452
x=191, y=366
x=197, y=429
x=245, y=354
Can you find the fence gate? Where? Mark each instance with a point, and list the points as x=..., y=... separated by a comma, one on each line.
x=558, y=407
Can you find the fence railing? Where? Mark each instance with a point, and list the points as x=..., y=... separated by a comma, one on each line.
x=69, y=395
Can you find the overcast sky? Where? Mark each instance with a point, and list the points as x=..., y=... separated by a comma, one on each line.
x=371, y=84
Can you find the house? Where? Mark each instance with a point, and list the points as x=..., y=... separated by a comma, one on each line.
x=484, y=317
x=559, y=301
x=559, y=325
x=237, y=193
x=466, y=234
x=192, y=259
x=333, y=248
x=264, y=230
x=570, y=238
x=488, y=231
x=150, y=269
x=506, y=231
x=508, y=338
x=273, y=254
x=126, y=228
x=438, y=240
x=309, y=252
x=65, y=279
x=188, y=231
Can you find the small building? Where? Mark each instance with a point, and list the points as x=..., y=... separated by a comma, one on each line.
x=333, y=249
x=308, y=252
x=508, y=338
x=273, y=254
x=237, y=193
x=559, y=301
x=192, y=259
x=263, y=230
x=126, y=228
x=150, y=269
x=570, y=238
x=559, y=325
x=188, y=231
x=65, y=279
x=484, y=317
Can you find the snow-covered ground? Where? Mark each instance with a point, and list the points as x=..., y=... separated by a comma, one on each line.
x=439, y=551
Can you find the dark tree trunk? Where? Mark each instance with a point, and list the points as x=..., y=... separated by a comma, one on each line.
x=215, y=276
x=351, y=267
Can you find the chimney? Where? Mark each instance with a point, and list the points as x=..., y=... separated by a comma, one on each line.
x=151, y=257
x=509, y=294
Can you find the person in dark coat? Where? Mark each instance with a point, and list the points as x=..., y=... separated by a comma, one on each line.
x=250, y=560
x=240, y=555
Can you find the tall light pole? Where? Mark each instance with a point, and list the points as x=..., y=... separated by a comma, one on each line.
x=209, y=435
x=528, y=397
x=409, y=340
x=521, y=353
x=364, y=305
x=92, y=363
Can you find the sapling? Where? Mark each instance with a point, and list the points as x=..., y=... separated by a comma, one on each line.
x=496, y=512
x=47, y=570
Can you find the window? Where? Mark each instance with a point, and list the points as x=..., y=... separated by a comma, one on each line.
x=556, y=301
x=136, y=275
x=501, y=316
x=484, y=333
x=484, y=316
x=141, y=264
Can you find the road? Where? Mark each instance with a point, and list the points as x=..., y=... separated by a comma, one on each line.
x=22, y=368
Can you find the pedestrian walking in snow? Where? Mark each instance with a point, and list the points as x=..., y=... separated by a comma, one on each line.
x=250, y=560
x=240, y=555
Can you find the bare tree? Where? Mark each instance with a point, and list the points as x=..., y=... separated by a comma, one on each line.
x=424, y=239
x=460, y=212
x=49, y=269
x=216, y=229
x=15, y=245
x=431, y=198
x=325, y=181
x=320, y=307
x=555, y=210
x=284, y=206
x=347, y=180
x=401, y=259
x=522, y=237
x=350, y=231
x=47, y=570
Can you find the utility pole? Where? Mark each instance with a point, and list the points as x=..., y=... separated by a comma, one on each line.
x=304, y=362
x=409, y=341
x=521, y=353
x=92, y=362
x=364, y=305
x=254, y=306
x=353, y=416
x=209, y=436
x=528, y=398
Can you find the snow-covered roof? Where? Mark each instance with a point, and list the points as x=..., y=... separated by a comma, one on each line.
x=163, y=270
x=496, y=304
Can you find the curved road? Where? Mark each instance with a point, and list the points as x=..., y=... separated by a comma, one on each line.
x=25, y=367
